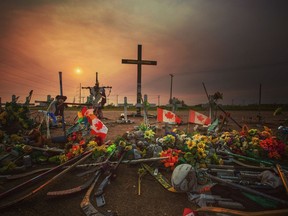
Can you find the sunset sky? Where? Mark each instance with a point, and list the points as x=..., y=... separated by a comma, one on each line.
x=230, y=45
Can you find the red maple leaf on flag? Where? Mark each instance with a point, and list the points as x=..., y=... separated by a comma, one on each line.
x=98, y=125
x=200, y=118
x=169, y=115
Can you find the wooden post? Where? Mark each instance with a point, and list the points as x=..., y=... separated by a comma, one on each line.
x=170, y=100
x=60, y=80
x=125, y=109
x=80, y=96
x=61, y=94
x=145, y=102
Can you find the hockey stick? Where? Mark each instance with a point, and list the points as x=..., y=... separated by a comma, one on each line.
x=160, y=178
x=86, y=205
x=81, y=187
x=78, y=159
x=246, y=189
x=104, y=183
x=75, y=189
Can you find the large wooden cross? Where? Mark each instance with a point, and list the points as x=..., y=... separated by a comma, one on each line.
x=139, y=63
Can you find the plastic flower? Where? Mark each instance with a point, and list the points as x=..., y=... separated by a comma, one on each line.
x=190, y=143
x=82, y=142
x=69, y=155
x=255, y=141
x=101, y=148
x=76, y=150
x=169, y=139
x=201, y=153
x=274, y=154
x=149, y=134
x=111, y=148
x=253, y=132
x=92, y=144
x=201, y=145
x=173, y=155
x=273, y=147
x=122, y=143
x=266, y=133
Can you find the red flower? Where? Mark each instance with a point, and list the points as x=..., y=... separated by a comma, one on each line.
x=82, y=142
x=275, y=148
x=173, y=157
x=75, y=147
x=69, y=155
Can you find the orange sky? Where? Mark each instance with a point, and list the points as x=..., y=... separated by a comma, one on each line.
x=231, y=46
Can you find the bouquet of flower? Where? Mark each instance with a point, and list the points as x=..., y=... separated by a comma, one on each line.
x=173, y=155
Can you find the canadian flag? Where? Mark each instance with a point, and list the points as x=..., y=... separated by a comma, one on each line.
x=198, y=118
x=97, y=127
x=85, y=111
x=167, y=116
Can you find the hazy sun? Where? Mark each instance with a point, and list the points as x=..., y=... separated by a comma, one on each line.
x=78, y=71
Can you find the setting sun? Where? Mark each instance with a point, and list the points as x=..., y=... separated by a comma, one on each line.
x=78, y=70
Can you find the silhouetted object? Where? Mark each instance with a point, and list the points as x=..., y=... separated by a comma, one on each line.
x=101, y=103
x=60, y=105
x=99, y=97
x=139, y=63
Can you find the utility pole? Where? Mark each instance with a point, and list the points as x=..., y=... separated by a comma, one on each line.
x=170, y=100
x=80, y=94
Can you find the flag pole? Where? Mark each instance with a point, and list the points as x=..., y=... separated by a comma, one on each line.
x=188, y=123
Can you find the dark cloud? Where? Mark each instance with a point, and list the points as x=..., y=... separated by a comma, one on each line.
x=232, y=46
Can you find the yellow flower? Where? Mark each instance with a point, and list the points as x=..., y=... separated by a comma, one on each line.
x=266, y=133
x=92, y=144
x=190, y=143
x=149, y=134
x=101, y=148
x=169, y=139
x=63, y=158
x=255, y=141
x=122, y=143
x=200, y=150
x=201, y=153
x=267, y=129
x=201, y=145
x=128, y=148
x=215, y=140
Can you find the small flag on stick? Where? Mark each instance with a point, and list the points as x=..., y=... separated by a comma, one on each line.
x=167, y=116
x=198, y=118
x=97, y=127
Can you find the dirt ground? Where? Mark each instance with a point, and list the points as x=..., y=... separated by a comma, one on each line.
x=121, y=195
